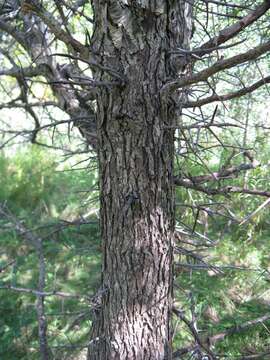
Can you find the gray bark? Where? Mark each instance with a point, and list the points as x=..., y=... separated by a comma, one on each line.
x=37, y=43
x=136, y=151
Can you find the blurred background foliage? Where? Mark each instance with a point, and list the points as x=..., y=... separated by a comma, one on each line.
x=53, y=199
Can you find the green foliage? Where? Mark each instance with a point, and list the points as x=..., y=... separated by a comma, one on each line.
x=45, y=198
x=27, y=178
x=229, y=298
x=49, y=198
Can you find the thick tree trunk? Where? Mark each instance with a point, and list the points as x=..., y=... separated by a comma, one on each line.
x=136, y=151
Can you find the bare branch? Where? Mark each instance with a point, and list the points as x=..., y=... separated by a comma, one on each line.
x=194, y=332
x=231, y=31
x=3, y=268
x=260, y=208
x=36, y=242
x=40, y=293
x=75, y=8
x=259, y=356
x=220, y=191
x=212, y=340
x=18, y=72
x=14, y=104
x=93, y=64
x=229, y=96
x=226, y=4
x=12, y=31
x=201, y=125
x=237, y=329
x=53, y=25
x=221, y=175
x=217, y=67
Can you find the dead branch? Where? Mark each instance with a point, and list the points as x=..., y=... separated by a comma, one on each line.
x=212, y=340
x=218, y=66
x=244, y=91
x=230, y=32
x=223, y=174
x=199, y=344
x=227, y=190
x=37, y=243
x=55, y=27
x=3, y=268
x=42, y=293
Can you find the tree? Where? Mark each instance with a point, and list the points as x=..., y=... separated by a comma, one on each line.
x=128, y=108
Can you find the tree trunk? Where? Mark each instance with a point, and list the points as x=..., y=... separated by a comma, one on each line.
x=136, y=152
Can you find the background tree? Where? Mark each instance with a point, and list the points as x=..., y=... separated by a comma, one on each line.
x=128, y=87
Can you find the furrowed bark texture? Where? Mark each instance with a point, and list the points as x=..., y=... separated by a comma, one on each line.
x=136, y=150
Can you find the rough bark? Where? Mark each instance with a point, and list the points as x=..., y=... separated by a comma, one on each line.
x=136, y=151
